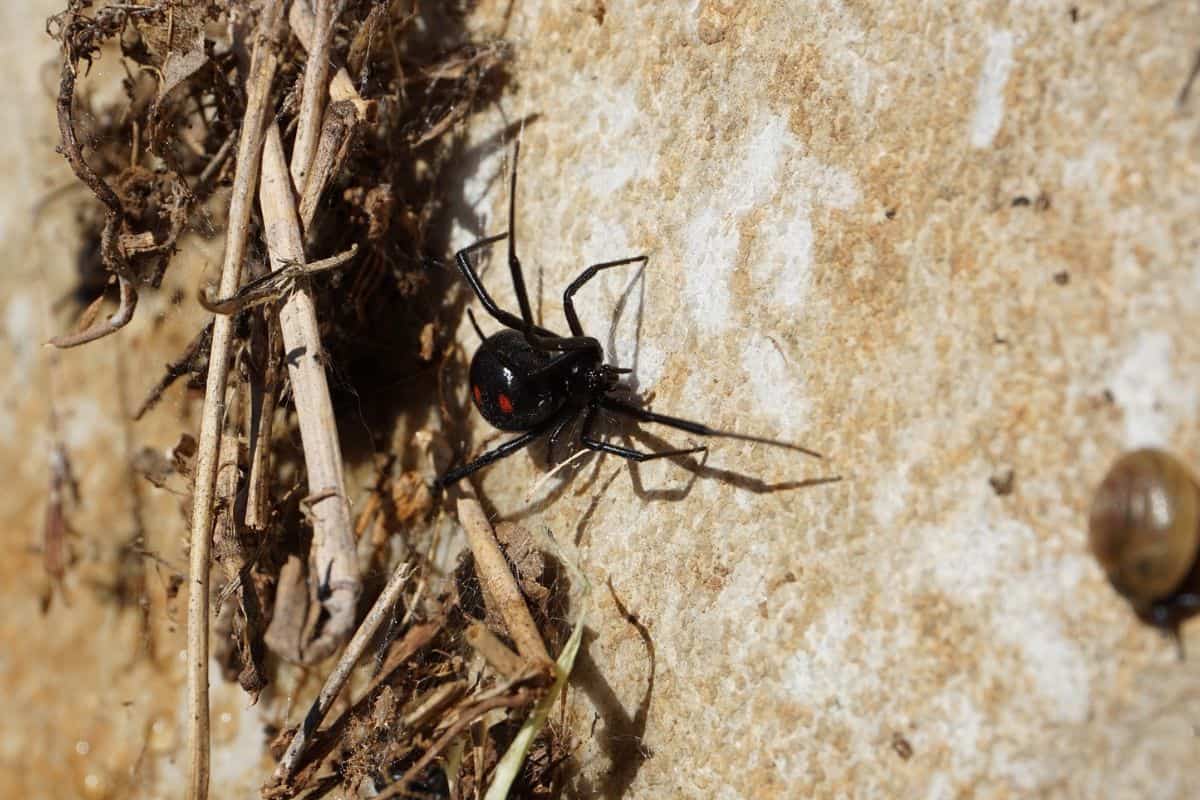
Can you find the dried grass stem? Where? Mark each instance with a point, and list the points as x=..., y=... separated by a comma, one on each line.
x=258, y=95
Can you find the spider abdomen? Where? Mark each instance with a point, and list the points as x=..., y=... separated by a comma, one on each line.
x=509, y=386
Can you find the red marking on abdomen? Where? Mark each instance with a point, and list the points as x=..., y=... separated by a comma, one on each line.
x=478, y=395
x=505, y=404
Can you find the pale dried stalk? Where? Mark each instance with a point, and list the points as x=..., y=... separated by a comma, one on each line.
x=261, y=421
x=434, y=701
x=333, y=560
x=337, y=132
x=498, y=582
x=494, y=652
x=341, y=673
x=312, y=101
x=290, y=619
x=331, y=546
x=258, y=90
x=346, y=108
x=322, y=746
x=256, y=506
x=228, y=549
x=341, y=87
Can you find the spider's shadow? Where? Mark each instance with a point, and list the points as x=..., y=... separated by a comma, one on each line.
x=588, y=470
x=611, y=425
x=623, y=736
x=638, y=281
x=700, y=469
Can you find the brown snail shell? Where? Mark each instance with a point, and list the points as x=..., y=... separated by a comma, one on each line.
x=1144, y=526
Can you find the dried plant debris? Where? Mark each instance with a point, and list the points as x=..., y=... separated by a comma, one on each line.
x=143, y=153
x=458, y=686
x=435, y=719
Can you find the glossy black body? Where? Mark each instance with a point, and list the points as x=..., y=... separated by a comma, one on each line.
x=515, y=386
x=531, y=381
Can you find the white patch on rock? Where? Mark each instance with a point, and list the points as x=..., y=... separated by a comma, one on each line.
x=784, y=278
x=711, y=240
x=21, y=330
x=613, y=163
x=819, y=670
x=1096, y=162
x=982, y=560
x=84, y=421
x=969, y=554
x=745, y=587
x=1053, y=661
x=889, y=496
x=648, y=368
x=989, y=94
x=1145, y=389
x=710, y=248
x=237, y=758
x=962, y=725
x=776, y=387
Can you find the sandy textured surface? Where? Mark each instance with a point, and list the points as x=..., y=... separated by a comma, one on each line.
x=933, y=242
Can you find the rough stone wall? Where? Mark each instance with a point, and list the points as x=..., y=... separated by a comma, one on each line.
x=933, y=241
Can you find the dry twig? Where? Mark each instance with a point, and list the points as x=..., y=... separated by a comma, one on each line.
x=195, y=354
x=341, y=87
x=312, y=101
x=341, y=673
x=258, y=93
x=261, y=418
x=518, y=699
x=315, y=164
x=110, y=248
x=325, y=741
x=274, y=285
x=332, y=557
x=494, y=652
x=498, y=582
x=337, y=132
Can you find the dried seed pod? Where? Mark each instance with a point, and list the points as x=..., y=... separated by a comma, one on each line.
x=1144, y=528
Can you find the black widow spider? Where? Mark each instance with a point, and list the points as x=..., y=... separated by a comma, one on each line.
x=530, y=380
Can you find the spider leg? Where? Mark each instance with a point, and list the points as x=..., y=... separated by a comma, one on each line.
x=475, y=325
x=556, y=364
x=558, y=429
x=503, y=451
x=536, y=336
x=592, y=443
x=621, y=407
x=1186, y=601
x=565, y=343
x=514, y=263
x=584, y=277
x=509, y=320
